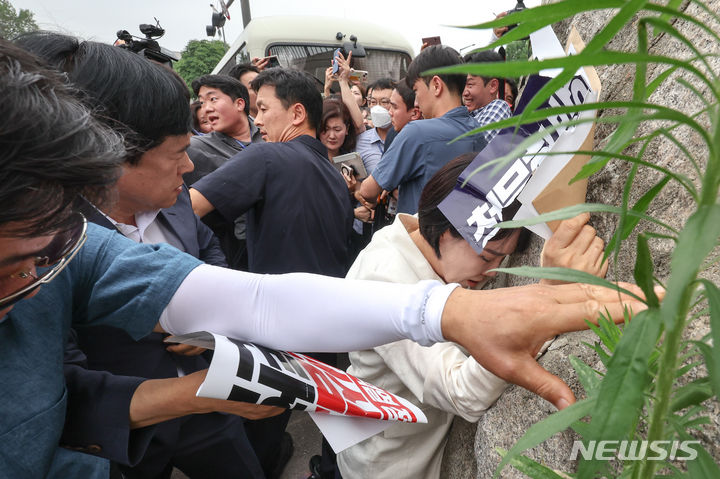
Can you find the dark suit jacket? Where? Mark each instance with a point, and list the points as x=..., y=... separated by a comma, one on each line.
x=104, y=365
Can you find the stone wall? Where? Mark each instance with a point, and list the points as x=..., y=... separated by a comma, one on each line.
x=517, y=409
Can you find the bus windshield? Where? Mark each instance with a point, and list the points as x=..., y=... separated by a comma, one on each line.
x=315, y=59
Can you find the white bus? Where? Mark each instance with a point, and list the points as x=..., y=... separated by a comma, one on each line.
x=307, y=43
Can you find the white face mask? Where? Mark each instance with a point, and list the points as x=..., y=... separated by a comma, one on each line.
x=380, y=117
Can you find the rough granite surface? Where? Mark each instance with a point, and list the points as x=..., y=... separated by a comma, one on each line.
x=471, y=450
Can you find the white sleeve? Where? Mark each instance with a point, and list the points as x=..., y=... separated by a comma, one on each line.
x=306, y=312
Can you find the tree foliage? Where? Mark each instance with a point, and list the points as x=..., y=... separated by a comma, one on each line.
x=199, y=58
x=517, y=50
x=14, y=22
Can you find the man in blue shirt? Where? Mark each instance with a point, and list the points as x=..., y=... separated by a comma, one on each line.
x=422, y=148
x=371, y=143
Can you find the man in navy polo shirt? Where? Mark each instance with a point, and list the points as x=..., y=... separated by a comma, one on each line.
x=299, y=214
x=422, y=147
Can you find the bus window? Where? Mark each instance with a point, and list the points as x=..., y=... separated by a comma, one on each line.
x=383, y=64
x=314, y=59
x=242, y=55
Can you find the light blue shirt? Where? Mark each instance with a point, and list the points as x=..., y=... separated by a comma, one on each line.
x=420, y=149
x=371, y=148
x=111, y=281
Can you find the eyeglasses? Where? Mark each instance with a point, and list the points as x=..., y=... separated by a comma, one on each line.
x=385, y=102
x=55, y=257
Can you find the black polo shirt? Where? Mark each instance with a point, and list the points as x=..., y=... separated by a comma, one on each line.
x=299, y=213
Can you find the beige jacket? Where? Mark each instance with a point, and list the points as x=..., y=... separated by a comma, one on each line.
x=442, y=380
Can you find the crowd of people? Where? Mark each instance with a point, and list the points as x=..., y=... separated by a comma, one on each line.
x=242, y=180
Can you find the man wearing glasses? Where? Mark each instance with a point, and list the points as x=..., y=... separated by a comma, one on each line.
x=52, y=150
x=371, y=143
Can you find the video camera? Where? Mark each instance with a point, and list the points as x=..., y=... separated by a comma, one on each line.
x=519, y=7
x=147, y=46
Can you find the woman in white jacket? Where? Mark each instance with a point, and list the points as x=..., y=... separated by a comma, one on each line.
x=443, y=380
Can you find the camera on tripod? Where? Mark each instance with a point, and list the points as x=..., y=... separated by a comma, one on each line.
x=148, y=46
x=519, y=7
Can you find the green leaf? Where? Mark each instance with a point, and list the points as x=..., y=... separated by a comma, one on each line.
x=572, y=211
x=609, y=333
x=534, y=469
x=639, y=86
x=670, y=10
x=565, y=274
x=641, y=206
x=614, y=246
x=587, y=376
x=550, y=13
x=658, y=80
x=665, y=17
x=684, y=369
x=580, y=427
x=668, y=29
x=15, y=22
x=606, y=337
x=712, y=355
x=544, y=429
x=604, y=356
x=703, y=466
x=643, y=271
x=695, y=242
x=691, y=419
x=697, y=423
x=622, y=391
x=612, y=330
x=691, y=394
x=674, y=474
x=666, y=133
x=570, y=65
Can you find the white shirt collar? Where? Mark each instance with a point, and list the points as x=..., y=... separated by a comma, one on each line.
x=143, y=220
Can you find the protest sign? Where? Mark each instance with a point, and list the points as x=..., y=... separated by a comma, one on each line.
x=538, y=181
x=242, y=371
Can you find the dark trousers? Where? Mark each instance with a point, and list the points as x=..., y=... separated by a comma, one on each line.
x=265, y=436
x=208, y=446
